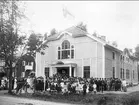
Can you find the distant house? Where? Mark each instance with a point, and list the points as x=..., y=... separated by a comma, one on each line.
x=2, y=71
x=25, y=66
x=75, y=52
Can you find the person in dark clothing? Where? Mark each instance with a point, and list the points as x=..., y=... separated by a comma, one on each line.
x=97, y=83
x=102, y=85
x=20, y=85
x=12, y=83
x=58, y=88
x=90, y=87
x=46, y=85
x=69, y=88
x=84, y=89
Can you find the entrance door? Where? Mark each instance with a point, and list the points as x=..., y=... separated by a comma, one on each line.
x=63, y=71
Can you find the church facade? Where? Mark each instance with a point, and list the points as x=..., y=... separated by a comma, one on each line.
x=75, y=52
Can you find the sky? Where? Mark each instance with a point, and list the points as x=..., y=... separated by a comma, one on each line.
x=117, y=20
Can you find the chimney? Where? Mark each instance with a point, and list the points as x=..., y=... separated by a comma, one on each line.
x=103, y=38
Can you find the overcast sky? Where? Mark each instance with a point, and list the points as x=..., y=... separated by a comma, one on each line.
x=117, y=20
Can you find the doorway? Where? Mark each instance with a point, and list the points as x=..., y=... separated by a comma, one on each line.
x=63, y=71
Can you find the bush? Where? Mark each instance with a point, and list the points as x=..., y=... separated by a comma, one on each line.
x=98, y=99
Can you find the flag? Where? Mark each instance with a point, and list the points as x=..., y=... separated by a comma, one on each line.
x=67, y=13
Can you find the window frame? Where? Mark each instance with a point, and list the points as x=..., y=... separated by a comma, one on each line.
x=113, y=55
x=47, y=71
x=127, y=74
x=63, y=53
x=86, y=71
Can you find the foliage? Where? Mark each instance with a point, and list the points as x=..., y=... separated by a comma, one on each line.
x=82, y=26
x=35, y=44
x=53, y=31
x=114, y=43
x=45, y=36
x=137, y=51
x=89, y=99
x=10, y=40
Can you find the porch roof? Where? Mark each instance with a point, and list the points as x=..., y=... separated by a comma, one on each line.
x=64, y=65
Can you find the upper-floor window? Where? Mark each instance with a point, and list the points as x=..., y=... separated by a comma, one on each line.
x=113, y=55
x=24, y=63
x=66, y=51
x=121, y=57
x=47, y=71
x=66, y=44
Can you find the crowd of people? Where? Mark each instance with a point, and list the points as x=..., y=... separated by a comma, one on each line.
x=70, y=85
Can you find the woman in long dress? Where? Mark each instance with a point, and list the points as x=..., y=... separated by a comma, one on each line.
x=15, y=83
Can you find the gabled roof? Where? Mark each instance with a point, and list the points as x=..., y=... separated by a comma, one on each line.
x=77, y=32
x=114, y=48
x=129, y=53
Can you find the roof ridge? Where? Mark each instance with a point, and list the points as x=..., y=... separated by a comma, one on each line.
x=81, y=29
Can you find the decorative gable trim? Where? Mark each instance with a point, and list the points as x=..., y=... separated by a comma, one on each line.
x=64, y=32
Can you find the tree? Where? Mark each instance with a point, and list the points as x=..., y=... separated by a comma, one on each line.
x=137, y=56
x=53, y=31
x=10, y=40
x=35, y=44
x=82, y=26
x=114, y=43
x=45, y=36
x=137, y=51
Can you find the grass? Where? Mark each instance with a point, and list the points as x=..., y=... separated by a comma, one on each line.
x=89, y=99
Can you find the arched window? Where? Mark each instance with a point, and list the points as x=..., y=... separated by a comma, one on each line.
x=66, y=44
x=66, y=51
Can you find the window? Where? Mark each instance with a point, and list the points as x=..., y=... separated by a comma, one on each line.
x=65, y=54
x=133, y=74
x=121, y=57
x=121, y=73
x=67, y=51
x=59, y=53
x=86, y=71
x=47, y=71
x=72, y=51
x=127, y=74
x=113, y=72
x=66, y=44
x=113, y=55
